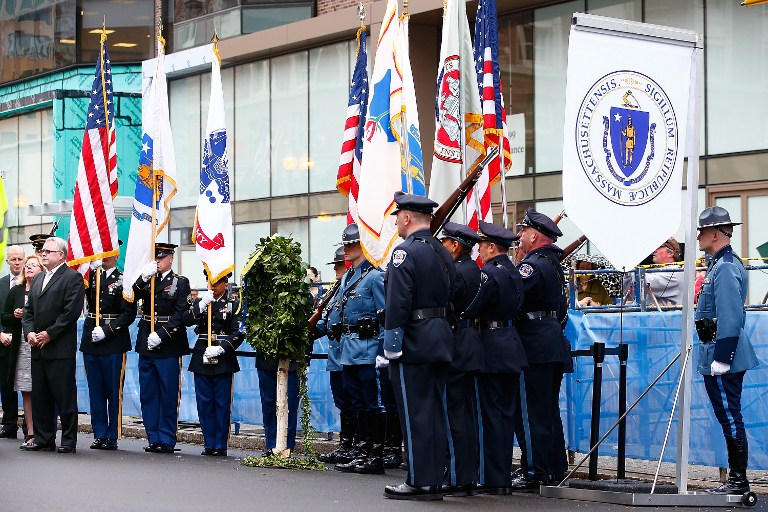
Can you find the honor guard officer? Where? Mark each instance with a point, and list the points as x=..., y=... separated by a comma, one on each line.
x=361, y=296
x=496, y=304
x=725, y=352
x=419, y=342
x=540, y=324
x=460, y=391
x=214, y=363
x=37, y=242
x=160, y=350
x=347, y=415
x=104, y=347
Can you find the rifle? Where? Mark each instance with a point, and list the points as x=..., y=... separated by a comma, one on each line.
x=453, y=201
x=573, y=246
x=318, y=314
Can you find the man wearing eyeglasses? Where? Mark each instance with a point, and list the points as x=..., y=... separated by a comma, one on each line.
x=50, y=326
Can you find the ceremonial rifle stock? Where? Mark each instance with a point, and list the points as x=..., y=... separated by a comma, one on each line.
x=450, y=205
x=573, y=246
x=312, y=322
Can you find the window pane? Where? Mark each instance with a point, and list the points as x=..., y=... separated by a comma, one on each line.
x=251, y=136
x=264, y=18
x=738, y=78
x=328, y=96
x=133, y=25
x=9, y=163
x=622, y=9
x=246, y=238
x=30, y=162
x=733, y=205
x=550, y=30
x=757, y=234
x=191, y=268
x=325, y=235
x=187, y=134
x=289, y=125
x=46, y=183
x=296, y=229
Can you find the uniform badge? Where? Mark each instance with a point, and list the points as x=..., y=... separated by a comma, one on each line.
x=525, y=270
x=707, y=280
x=398, y=257
x=483, y=277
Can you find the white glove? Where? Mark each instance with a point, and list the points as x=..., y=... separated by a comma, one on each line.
x=719, y=368
x=205, y=299
x=212, y=352
x=97, y=334
x=153, y=340
x=381, y=362
x=392, y=355
x=149, y=270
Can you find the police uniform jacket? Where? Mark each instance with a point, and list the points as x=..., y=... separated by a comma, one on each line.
x=467, y=352
x=497, y=303
x=111, y=303
x=362, y=295
x=722, y=297
x=171, y=300
x=224, y=323
x=331, y=316
x=420, y=276
x=545, y=300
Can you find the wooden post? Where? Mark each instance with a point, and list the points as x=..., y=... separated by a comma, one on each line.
x=281, y=444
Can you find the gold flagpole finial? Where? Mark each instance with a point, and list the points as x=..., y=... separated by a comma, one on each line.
x=104, y=30
x=405, y=8
x=361, y=14
x=215, y=41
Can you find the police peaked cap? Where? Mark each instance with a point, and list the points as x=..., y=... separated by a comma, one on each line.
x=462, y=234
x=715, y=216
x=498, y=235
x=162, y=250
x=413, y=203
x=38, y=240
x=338, y=257
x=350, y=235
x=225, y=277
x=540, y=222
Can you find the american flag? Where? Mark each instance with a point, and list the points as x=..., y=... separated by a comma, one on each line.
x=93, y=230
x=347, y=179
x=494, y=115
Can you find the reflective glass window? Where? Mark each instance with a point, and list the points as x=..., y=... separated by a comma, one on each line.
x=252, y=135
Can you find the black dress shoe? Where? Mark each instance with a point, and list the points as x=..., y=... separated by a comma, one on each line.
x=208, y=451
x=67, y=449
x=459, y=491
x=268, y=453
x=219, y=452
x=97, y=444
x=165, y=448
x=152, y=448
x=526, y=484
x=409, y=492
x=109, y=444
x=495, y=490
x=34, y=447
x=8, y=434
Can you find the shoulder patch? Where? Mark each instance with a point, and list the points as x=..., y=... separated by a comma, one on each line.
x=398, y=257
x=525, y=270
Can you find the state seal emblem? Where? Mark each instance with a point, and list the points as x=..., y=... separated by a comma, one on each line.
x=627, y=137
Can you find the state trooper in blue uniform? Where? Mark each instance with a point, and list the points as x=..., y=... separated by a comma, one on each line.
x=347, y=415
x=725, y=352
x=362, y=295
x=160, y=350
x=104, y=347
x=214, y=364
x=497, y=303
x=542, y=317
x=460, y=392
x=419, y=343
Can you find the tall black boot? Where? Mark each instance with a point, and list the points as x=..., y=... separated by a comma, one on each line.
x=346, y=434
x=363, y=446
x=374, y=463
x=393, y=451
x=738, y=456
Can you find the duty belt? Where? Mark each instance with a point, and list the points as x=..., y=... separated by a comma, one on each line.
x=158, y=318
x=215, y=337
x=538, y=315
x=421, y=314
x=495, y=324
x=103, y=316
x=349, y=329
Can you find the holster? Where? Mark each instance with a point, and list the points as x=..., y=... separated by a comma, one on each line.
x=707, y=329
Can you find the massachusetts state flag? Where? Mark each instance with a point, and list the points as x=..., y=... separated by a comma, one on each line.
x=348, y=177
x=156, y=176
x=213, y=234
x=92, y=229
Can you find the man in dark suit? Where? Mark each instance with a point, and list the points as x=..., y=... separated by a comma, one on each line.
x=10, y=398
x=50, y=326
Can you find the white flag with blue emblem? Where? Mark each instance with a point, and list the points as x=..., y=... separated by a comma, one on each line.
x=157, y=166
x=213, y=234
x=626, y=114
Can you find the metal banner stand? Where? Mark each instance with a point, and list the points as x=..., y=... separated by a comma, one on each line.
x=683, y=498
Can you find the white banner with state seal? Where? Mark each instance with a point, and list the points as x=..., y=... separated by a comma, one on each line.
x=626, y=114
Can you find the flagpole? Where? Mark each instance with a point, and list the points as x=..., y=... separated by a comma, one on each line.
x=106, y=122
x=161, y=41
x=462, y=115
x=404, y=125
x=503, y=179
x=215, y=41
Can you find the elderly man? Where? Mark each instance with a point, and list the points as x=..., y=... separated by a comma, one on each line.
x=725, y=352
x=10, y=400
x=667, y=287
x=50, y=326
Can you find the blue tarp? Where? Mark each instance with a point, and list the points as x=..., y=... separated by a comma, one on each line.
x=653, y=339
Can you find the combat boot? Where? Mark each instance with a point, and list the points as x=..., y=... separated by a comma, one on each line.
x=393, y=452
x=374, y=463
x=738, y=455
x=363, y=446
x=344, y=452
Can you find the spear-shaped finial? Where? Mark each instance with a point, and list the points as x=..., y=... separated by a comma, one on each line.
x=361, y=13
x=215, y=41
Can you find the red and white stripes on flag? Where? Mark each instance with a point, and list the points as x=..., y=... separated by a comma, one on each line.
x=93, y=229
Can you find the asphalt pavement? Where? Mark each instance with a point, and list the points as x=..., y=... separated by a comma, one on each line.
x=131, y=480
